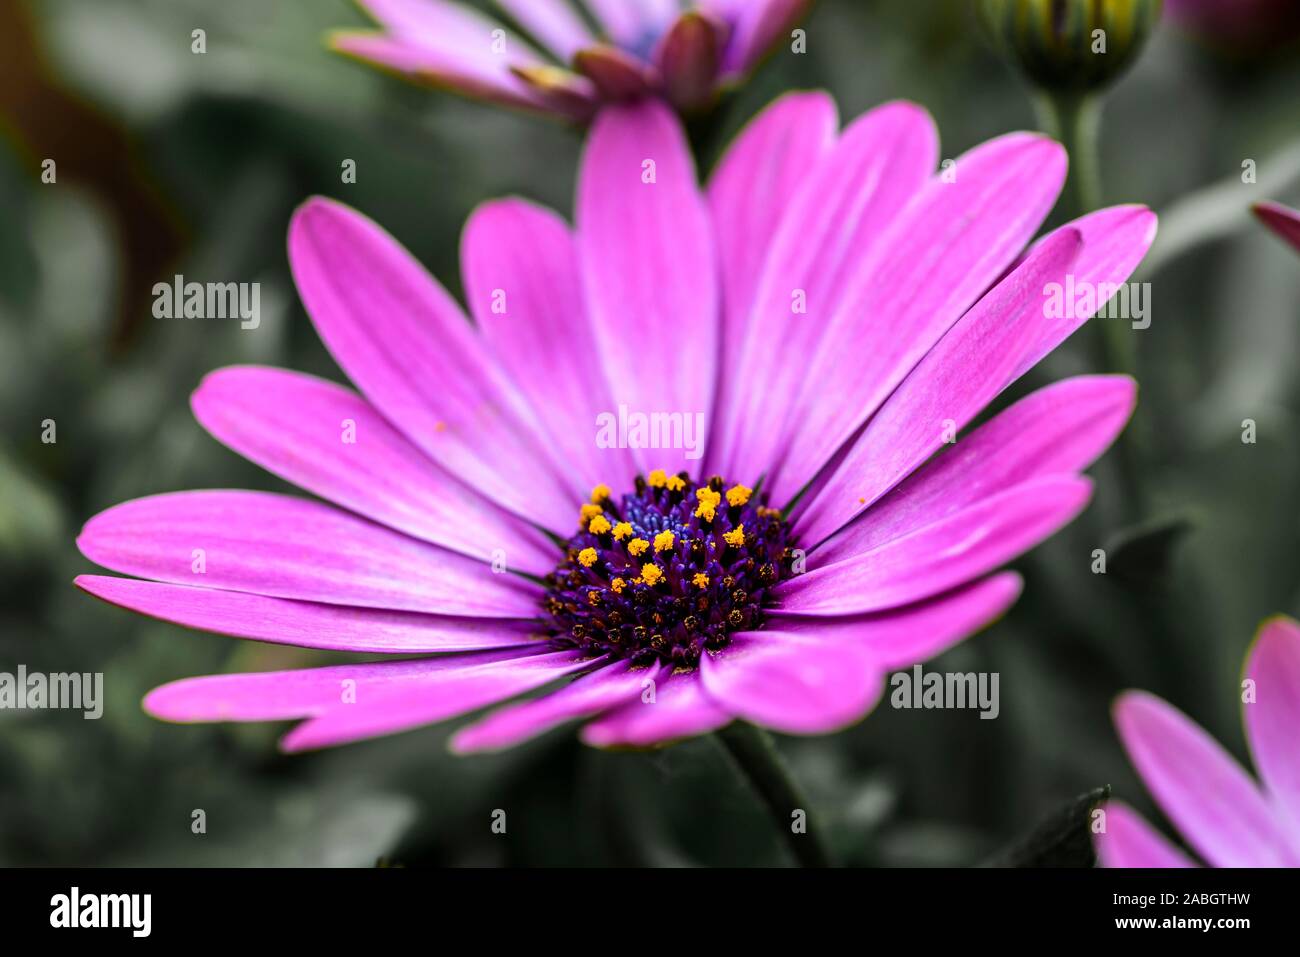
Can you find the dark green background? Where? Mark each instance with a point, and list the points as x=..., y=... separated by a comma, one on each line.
x=171, y=162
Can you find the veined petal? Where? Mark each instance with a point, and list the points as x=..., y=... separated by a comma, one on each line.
x=1129, y=841
x=1273, y=714
x=950, y=386
x=553, y=22
x=756, y=26
x=308, y=624
x=446, y=694
x=793, y=682
x=679, y=709
x=902, y=637
x=770, y=158
x=406, y=344
x=330, y=441
x=1198, y=785
x=879, y=163
x=522, y=284
x=610, y=687
x=267, y=544
x=936, y=259
x=941, y=555
x=647, y=258
x=1058, y=430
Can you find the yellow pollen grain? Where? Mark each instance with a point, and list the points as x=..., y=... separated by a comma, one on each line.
x=709, y=501
x=600, y=493
x=675, y=483
x=587, y=513
x=738, y=495
x=700, y=580
x=657, y=479
x=598, y=525
x=622, y=530
x=587, y=557
x=618, y=585
x=736, y=536
x=663, y=541
x=651, y=574
x=637, y=546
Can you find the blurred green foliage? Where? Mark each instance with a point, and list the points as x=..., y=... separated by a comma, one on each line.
x=229, y=142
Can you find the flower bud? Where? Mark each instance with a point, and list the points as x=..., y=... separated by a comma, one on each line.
x=1069, y=45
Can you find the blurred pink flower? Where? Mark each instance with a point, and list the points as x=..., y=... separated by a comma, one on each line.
x=1222, y=813
x=830, y=310
x=638, y=47
x=1283, y=220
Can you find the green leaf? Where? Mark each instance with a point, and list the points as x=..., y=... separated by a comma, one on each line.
x=1064, y=839
x=1143, y=554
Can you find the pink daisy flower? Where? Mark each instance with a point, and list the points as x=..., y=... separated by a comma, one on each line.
x=637, y=48
x=830, y=311
x=1222, y=813
x=1283, y=220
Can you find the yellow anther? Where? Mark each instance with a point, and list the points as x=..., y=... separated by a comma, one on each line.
x=735, y=537
x=700, y=580
x=738, y=495
x=637, y=546
x=588, y=557
x=593, y=598
x=598, y=525
x=709, y=501
x=622, y=530
x=651, y=574
x=657, y=479
x=618, y=585
x=600, y=493
x=587, y=513
x=663, y=541
x=675, y=483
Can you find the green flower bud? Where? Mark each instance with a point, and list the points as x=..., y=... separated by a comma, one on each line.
x=1070, y=45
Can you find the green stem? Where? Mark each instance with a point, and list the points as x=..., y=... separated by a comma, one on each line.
x=755, y=756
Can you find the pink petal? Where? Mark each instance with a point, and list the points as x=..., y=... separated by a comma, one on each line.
x=406, y=344
x=879, y=163
x=757, y=25
x=1198, y=785
x=688, y=57
x=1057, y=430
x=680, y=709
x=525, y=253
x=447, y=694
x=553, y=23
x=941, y=555
x=647, y=259
x=308, y=624
x=331, y=442
x=1129, y=841
x=601, y=690
x=771, y=158
x=634, y=23
x=268, y=544
x=1283, y=220
x=793, y=682
x=447, y=42
x=307, y=692
x=948, y=388
x=1273, y=717
x=931, y=265
x=902, y=637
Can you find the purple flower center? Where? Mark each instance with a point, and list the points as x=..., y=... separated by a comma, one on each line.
x=673, y=569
